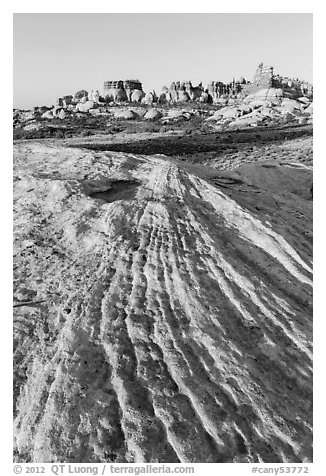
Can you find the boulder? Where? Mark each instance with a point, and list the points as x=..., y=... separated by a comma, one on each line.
x=218, y=114
x=67, y=100
x=84, y=106
x=251, y=120
x=61, y=114
x=204, y=98
x=94, y=96
x=163, y=98
x=33, y=126
x=47, y=115
x=175, y=113
x=139, y=111
x=28, y=116
x=309, y=109
x=125, y=114
x=80, y=94
x=257, y=103
x=214, y=117
x=289, y=105
x=219, y=128
x=304, y=100
x=55, y=111
x=137, y=95
x=187, y=115
x=148, y=98
x=152, y=114
x=245, y=108
x=183, y=96
x=231, y=111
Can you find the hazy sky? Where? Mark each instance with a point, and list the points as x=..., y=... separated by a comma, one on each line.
x=58, y=54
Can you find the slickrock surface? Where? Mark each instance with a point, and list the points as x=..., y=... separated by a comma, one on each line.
x=157, y=317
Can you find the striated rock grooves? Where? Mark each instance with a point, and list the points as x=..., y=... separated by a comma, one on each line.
x=169, y=325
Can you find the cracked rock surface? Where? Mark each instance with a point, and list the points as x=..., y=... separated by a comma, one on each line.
x=157, y=316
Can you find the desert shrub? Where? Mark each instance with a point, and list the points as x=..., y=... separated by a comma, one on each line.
x=35, y=134
x=86, y=133
x=152, y=128
x=59, y=134
x=115, y=128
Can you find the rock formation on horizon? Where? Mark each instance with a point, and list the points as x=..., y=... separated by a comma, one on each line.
x=122, y=90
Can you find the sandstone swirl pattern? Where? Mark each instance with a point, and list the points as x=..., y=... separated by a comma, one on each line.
x=170, y=325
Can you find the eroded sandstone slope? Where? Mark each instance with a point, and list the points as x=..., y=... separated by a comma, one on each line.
x=156, y=319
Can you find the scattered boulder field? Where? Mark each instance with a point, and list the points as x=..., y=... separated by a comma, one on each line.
x=268, y=99
x=250, y=112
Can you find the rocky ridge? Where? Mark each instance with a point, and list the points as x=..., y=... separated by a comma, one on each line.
x=267, y=99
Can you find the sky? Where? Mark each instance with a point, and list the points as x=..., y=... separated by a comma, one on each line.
x=56, y=54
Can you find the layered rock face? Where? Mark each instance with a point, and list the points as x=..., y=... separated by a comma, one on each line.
x=267, y=106
x=265, y=85
x=263, y=79
x=266, y=80
x=183, y=91
x=122, y=90
x=157, y=319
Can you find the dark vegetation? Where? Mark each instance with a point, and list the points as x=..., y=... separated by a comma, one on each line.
x=193, y=140
x=86, y=125
x=201, y=145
